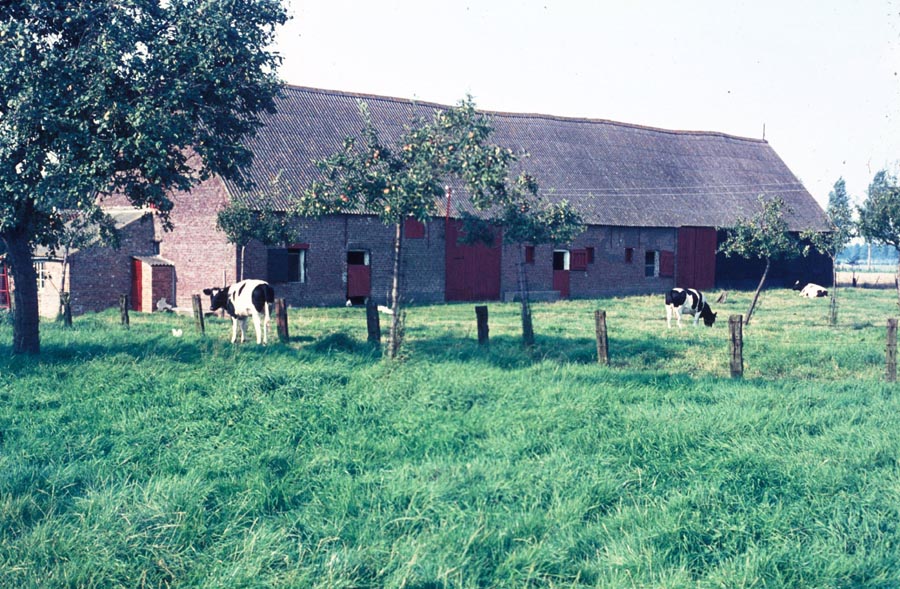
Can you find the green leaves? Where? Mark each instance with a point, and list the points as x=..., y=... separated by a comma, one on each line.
x=879, y=217
x=840, y=220
x=764, y=236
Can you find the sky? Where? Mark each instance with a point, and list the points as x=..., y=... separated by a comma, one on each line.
x=818, y=79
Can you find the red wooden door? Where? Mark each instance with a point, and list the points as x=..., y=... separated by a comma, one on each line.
x=472, y=272
x=359, y=280
x=137, y=283
x=696, y=258
x=561, y=282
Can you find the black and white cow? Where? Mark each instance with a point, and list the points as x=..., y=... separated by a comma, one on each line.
x=690, y=301
x=810, y=290
x=247, y=298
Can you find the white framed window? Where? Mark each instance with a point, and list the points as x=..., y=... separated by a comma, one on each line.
x=561, y=260
x=43, y=275
x=651, y=264
x=287, y=265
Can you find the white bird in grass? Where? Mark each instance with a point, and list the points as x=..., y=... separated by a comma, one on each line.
x=177, y=332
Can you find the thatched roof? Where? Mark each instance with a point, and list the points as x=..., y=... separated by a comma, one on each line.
x=618, y=174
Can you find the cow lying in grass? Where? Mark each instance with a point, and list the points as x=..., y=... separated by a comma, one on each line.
x=247, y=298
x=810, y=290
x=690, y=301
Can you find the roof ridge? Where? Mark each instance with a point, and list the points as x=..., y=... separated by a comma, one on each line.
x=525, y=115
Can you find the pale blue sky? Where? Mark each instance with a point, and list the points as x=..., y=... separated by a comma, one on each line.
x=823, y=76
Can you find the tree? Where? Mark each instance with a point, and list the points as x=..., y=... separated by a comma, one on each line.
x=526, y=218
x=764, y=236
x=139, y=97
x=833, y=242
x=242, y=223
x=879, y=216
x=406, y=179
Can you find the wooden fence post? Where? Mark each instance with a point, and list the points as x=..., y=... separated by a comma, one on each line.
x=736, y=329
x=123, y=309
x=891, y=351
x=602, y=340
x=373, y=322
x=481, y=316
x=281, y=320
x=198, y=314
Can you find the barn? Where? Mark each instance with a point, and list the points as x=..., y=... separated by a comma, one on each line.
x=655, y=202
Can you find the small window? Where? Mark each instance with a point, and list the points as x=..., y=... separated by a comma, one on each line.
x=590, y=254
x=651, y=264
x=629, y=255
x=414, y=229
x=560, y=259
x=357, y=258
x=287, y=265
x=43, y=276
x=529, y=254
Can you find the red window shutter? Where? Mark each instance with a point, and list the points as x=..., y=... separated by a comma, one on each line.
x=529, y=254
x=629, y=255
x=578, y=260
x=666, y=263
x=414, y=229
x=590, y=255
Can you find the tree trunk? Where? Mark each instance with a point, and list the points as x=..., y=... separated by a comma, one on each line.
x=527, y=326
x=758, y=290
x=26, y=332
x=62, y=287
x=241, y=267
x=832, y=315
x=395, y=333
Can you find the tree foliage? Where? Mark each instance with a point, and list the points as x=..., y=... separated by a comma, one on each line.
x=406, y=178
x=763, y=236
x=526, y=218
x=140, y=97
x=879, y=216
x=842, y=228
x=242, y=224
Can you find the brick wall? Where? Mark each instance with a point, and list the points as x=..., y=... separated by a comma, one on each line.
x=330, y=238
x=99, y=275
x=201, y=254
x=609, y=274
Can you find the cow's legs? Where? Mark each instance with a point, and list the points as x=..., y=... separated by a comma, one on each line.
x=669, y=316
x=234, y=327
x=243, y=329
x=257, y=328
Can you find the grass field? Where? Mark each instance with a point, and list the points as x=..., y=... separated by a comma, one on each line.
x=131, y=458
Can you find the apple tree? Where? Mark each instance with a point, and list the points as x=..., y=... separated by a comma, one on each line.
x=139, y=97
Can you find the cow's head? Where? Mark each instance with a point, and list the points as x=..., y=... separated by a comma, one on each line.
x=798, y=285
x=708, y=316
x=218, y=297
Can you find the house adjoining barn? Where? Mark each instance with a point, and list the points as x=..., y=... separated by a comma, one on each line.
x=654, y=200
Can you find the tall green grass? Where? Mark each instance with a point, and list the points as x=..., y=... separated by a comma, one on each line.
x=132, y=458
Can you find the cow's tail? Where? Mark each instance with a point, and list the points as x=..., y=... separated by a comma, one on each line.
x=270, y=301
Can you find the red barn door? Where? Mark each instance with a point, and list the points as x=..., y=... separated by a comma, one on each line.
x=359, y=276
x=696, y=258
x=137, y=285
x=472, y=271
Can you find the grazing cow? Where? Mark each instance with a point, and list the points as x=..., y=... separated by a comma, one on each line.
x=810, y=290
x=247, y=298
x=690, y=301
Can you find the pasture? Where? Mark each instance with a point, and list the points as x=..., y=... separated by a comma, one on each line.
x=133, y=458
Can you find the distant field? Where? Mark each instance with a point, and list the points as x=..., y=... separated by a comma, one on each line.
x=132, y=458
